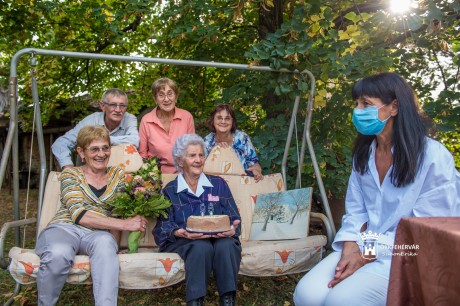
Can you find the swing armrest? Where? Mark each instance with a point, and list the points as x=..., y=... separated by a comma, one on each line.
x=5, y=228
x=318, y=217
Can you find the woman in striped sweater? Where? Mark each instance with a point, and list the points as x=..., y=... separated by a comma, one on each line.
x=83, y=225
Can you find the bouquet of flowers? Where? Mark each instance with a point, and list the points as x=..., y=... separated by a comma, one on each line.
x=141, y=196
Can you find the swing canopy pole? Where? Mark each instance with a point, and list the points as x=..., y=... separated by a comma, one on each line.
x=12, y=138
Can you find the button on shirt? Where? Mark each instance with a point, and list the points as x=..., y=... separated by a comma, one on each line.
x=126, y=132
x=155, y=141
x=434, y=192
x=211, y=189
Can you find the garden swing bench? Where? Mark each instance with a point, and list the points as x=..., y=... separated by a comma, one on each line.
x=149, y=269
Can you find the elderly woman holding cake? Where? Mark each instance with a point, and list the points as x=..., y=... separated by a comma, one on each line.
x=209, y=244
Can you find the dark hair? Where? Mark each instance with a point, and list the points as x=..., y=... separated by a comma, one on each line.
x=218, y=108
x=409, y=131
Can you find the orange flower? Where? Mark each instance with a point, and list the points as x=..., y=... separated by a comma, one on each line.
x=167, y=263
x=131, y=149
x=284, y=255
x=81, y=265
x=29, y=267
x=128, y=178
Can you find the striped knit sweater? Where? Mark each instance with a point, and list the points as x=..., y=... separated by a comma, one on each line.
x=77, y=196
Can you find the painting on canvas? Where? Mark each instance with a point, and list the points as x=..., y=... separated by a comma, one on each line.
x=281, y=215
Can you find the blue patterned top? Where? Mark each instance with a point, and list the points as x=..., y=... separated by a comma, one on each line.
x=185, y=204
x=242, y=146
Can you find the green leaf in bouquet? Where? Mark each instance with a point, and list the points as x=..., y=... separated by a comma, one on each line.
x=134, y=239
x=141, y=196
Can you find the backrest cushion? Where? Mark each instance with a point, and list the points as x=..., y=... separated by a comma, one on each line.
x=126, y=157
x=244, y=188
x=223, y=161
x=51, y=200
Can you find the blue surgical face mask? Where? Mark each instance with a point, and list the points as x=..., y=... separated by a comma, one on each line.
x=367, y=122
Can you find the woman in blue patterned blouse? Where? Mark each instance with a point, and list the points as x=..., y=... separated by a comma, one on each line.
x=222, y=123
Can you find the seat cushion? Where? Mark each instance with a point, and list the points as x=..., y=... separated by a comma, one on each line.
x=150, y=269
x=281, y=257
x=147, y=269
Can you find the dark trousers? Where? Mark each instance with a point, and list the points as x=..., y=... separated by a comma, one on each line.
x=222, y=256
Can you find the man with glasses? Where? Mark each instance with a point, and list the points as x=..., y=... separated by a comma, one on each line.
x=122, y=126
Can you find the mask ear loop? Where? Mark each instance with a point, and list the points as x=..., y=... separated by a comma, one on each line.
x=383, y=106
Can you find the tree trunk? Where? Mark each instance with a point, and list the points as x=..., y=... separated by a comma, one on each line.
x=264, y=228
x=293, y=217
x=270, y=20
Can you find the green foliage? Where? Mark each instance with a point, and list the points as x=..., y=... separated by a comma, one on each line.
x=338, y=41
x=452, y=141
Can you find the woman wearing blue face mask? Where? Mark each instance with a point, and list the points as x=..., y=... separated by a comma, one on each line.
x=397, y=172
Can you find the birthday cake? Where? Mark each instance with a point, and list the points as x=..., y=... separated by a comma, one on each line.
x=207, y=224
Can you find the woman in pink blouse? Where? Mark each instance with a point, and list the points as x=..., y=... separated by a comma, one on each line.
x=161, y=127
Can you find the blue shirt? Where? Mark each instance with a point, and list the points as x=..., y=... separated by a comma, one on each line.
x=185, y=204
x=242, y=146
x=126, y=132
x=434, y=193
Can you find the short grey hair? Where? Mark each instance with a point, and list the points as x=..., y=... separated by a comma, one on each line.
x=181, y=145
x=114, y=92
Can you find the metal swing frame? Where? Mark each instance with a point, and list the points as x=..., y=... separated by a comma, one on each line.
x=12, y=146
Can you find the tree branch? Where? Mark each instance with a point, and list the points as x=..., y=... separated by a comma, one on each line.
x=131, y=27
x=368, y=7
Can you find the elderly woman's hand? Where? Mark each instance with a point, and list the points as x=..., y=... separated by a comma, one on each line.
x=229, y=233
x=257, y=171
x=137, y=223
x=185, y=234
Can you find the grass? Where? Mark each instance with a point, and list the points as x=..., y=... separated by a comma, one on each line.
x=251, y=290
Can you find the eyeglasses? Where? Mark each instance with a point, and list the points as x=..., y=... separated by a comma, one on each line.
x=224, y=119
x=169, y=94
x=95, y=150
x=114, y=105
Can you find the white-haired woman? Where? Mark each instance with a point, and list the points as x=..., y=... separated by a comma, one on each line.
x=202, y=253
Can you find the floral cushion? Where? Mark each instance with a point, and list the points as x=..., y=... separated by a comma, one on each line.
x=223, y=161
x=126, y=157
x=271, y=258
x=147, y=269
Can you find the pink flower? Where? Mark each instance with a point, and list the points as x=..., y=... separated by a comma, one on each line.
x=139, y=189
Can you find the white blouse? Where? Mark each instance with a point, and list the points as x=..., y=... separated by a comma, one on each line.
x=434, y=192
